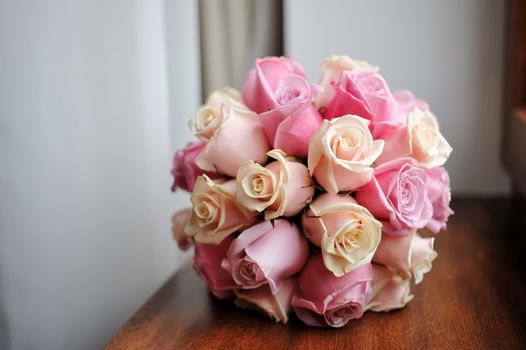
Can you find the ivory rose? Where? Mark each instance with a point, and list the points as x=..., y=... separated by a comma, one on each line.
x=266, y=253
x=332, y=69
x=276, y=306
x=397, y=196
x=410, y=255
x=341, y=154
x=179, y=221
x=232, y=132
x=439, y=193
x=388, y=290
x=346, y=232
x=207, y=264
x=325, y=300
x=215, y=212
x=282, y=188
x=184, y=170
x=364, y=93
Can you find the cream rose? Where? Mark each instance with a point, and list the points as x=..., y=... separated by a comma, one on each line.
x=341, y=154
x=389, y=291
x=332, y=69
x=282, y=188
x=346, y=232
x=215, y=212
x=428, y=145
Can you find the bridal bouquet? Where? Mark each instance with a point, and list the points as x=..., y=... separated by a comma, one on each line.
x=309, y=197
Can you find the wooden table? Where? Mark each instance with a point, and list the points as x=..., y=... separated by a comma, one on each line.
x=475, y=297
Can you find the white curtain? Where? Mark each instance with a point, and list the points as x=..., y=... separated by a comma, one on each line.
x=92, y=103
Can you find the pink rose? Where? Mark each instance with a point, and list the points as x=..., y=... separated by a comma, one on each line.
x=388, y=290
x=184, y=170
x=179, y=221
x=215, y=211
x=439, y=193
x=276, y=306
x=364, y=93
x=410, y=255
x=326, y=300
x=282, y=188
x=342, y=152
x=207, y=263
x=266, y=253
x=397, y=196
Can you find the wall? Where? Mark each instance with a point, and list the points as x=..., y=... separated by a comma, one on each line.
x=448, y=52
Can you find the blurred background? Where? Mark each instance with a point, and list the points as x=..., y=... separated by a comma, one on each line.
x=94, y=99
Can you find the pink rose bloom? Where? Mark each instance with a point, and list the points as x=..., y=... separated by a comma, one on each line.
x=388, y=290
x=397, y=196
x=184, y=170
x=364, y=93
x=439, y=193
x=207, y=263
x=179, y=221
x=409, y=256
x=274, y=305
x=326, y=300
x=266, y=253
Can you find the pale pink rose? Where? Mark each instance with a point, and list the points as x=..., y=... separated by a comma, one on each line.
x=332, y=69
x=184, y=170
x=276, y=306
x=325, y=300
x=342, y=152
x=388, y=290
x=179, y=221
x=397, y=196
x=215, y=211
x=282, y=188
x=294, y=119
x=233, y=134
x=439, y=193
x=408, y=256
x=364, y=93
x=263, y=81
x=207, y=263
x=346, y=232
x=266, y=253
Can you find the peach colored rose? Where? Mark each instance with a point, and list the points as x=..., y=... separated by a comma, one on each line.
x=388, y=290
x=275, y=305
x=215, y=212
x=282, y=188
x=346, y=232
x=341, y=154
x=179, y=221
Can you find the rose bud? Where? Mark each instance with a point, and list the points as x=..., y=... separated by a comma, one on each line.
x=207, y=263
x=332, y=69
x=184, y=170
x=276, y=306
x=341, y=154
x=439, y=194
x=263, y=80
x=325, y=300
x=397, y=196
x=226, y=124
x=346, y=232
x=215, y=212
x=364, y=93
x=266, y=253
x=409, y=255
x=282, y=188
x=388, y=290
x=179, y=221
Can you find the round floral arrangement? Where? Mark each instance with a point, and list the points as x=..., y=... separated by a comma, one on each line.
x=309, y=197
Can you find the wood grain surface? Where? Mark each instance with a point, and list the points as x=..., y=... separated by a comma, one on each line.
x=474, y=298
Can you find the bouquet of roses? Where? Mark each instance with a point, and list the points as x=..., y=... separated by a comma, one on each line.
x=308, y=197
